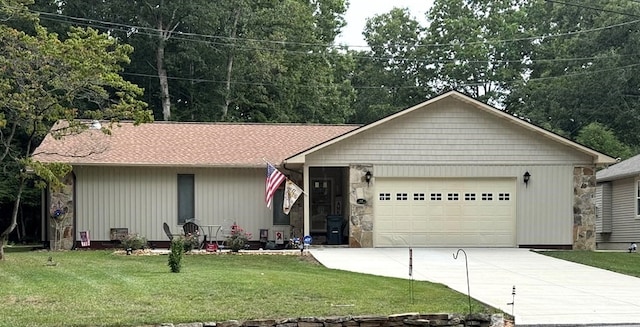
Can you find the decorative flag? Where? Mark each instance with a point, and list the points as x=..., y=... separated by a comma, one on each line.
x=274, y=179
x=291, y=194
x=85, y=240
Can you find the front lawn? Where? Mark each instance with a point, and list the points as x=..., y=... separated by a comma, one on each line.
x=102, y=288
x=622, y=262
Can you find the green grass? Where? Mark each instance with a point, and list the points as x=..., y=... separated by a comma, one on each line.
x=99, y=288
x=622, y=262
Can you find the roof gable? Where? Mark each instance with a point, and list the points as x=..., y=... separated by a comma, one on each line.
x=598, y=158
x=187, y=144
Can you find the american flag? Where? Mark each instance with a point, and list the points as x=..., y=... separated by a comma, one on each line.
x=274, y=179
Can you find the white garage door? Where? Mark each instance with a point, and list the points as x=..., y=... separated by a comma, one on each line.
x=444, y=212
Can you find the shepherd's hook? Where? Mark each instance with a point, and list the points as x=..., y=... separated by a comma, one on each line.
x=455, y=257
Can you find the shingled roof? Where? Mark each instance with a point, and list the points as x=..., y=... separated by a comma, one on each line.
x=187, y=144
x=624, y=169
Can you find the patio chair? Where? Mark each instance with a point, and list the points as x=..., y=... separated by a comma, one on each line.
x=167, y=231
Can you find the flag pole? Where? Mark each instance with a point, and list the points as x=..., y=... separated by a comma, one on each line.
x=266, y=162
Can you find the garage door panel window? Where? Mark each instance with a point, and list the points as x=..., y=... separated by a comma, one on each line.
x=401, y=196
x=452, y=196
x=503, y=196
x=436, y=196
x=469, y=196
x=418, y=196
x=385, y=196
x=487, y=196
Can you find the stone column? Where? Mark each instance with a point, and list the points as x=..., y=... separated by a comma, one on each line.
x=584, y=209
x=361, y=205
x=62, y=215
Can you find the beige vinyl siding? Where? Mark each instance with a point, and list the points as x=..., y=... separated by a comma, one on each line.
x=142, y=198
x=448, y=132
x=625, y=227
x=604, y=209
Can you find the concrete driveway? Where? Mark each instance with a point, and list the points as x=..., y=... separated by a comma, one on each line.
x=548, y=291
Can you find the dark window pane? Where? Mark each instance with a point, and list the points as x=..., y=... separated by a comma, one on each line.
x=186, y=198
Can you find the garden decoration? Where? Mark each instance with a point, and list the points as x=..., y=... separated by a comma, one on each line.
x=466, y=263
x=58, y=215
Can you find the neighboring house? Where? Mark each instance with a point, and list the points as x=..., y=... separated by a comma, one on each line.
x=618, y=203
x=449, y=172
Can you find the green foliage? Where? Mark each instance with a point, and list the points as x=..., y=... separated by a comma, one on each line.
x=133, y=241
x=466, y=38
x=601, y=138
x=267, y=62
x=44, y=80
x=175, y=255
x=391, y=76
x=582, y=68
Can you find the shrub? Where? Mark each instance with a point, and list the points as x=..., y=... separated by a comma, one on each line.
x=175, y=256
x=133, y=241
x=191, y=242
x=238, y=238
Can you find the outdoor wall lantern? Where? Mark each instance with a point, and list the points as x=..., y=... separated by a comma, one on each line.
x=526, y=178
x=368, y=176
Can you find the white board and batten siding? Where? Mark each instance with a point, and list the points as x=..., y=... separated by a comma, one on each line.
x=452, y=140
x=143, y=198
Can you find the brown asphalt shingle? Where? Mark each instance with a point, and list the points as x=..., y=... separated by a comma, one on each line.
x=188, y=144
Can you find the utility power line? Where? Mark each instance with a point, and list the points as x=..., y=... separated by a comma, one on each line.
x=153, y=31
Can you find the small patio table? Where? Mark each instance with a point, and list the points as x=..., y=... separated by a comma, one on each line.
x=213, y=231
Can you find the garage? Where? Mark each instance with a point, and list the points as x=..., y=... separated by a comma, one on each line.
x=446, y=212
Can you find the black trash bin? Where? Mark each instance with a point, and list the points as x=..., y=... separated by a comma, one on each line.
x=334, y=229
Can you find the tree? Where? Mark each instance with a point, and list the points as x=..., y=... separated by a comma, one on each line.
x=257, y=61
x=582, y=68
x=601, y=138
x=44, y=80
x=476, y=46
x=391, y=75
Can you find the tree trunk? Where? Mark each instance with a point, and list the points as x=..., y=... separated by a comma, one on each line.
x=227, y=95
x=14, y=218
x=162, y=74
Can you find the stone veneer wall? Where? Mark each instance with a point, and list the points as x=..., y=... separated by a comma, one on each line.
x=361, y=217
x=584, y=209
x=61, y=231
x=408, y=320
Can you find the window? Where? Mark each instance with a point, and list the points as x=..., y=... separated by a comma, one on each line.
x=452, y=196
x=401, y=196
x=503, y=196
x=279, y=217
x=436, y=196
x=385, y=196
x=487, y=196
x=418, y=196
x=186, y=198
x=469, y=196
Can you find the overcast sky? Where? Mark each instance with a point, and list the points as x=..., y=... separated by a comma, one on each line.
x=360, y=10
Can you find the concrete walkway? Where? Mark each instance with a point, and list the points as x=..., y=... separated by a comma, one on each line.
x=549, y=292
